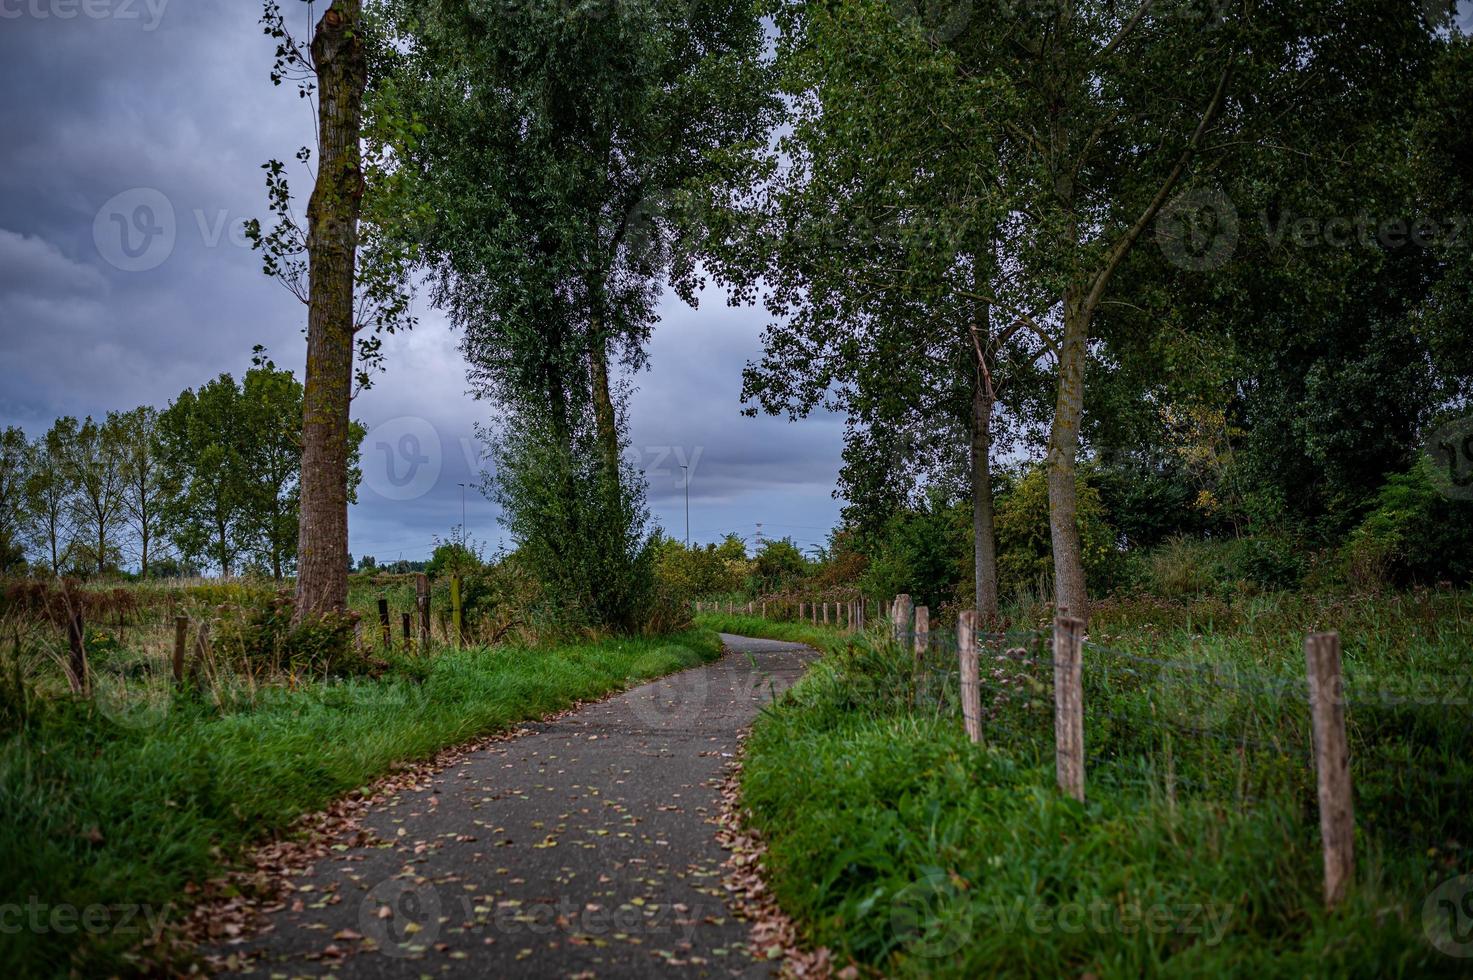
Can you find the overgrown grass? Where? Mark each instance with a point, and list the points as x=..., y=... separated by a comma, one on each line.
x=819, y=636
x=106, y=810
x=895, y=841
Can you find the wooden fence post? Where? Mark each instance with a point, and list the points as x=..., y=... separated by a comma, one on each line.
x=749, y=609
x=923, y=632
x=1069, y=704
x=1331, y=763
x=76, y=634
x=900, y=617
x=966, y=642
x=825, y=613
x=764, y=608
x=422, y=602
x=201, y=653
x=383, y=620
x=181, y=636
x=455, y=610
x=407, y=620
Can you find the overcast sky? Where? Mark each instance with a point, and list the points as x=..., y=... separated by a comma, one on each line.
x=131, y=142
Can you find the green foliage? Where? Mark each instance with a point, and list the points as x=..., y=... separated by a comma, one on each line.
x=895, y=841
x=1024, y=548
x=1414, y=534
x=266, y=642
x=779, y=566
x=925, y=552
x=579, y=530
x=231, y=460
x=699, y=571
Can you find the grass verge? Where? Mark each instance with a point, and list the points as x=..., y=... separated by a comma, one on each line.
x=896, y=842
x=822, y=638
x=108, y=815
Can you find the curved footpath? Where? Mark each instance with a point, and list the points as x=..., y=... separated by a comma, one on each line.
x=581, y=849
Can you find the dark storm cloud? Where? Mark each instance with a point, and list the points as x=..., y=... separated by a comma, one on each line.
x=131, y=138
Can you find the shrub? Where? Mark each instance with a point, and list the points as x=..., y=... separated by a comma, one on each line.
x=1024, y=546
x=264, y=639
x=1414, y=534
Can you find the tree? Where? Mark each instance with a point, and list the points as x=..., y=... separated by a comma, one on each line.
x=15, y=465
x=144, y=490
x=876, y=245
x=203, y=449
x=352, y=280
x=50, y=494
x=271, y=401
x=554, y=150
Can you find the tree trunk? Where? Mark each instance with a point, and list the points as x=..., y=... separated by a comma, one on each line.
x=332, y=245
x=984, y=541
x=1063, y=450
x=603, y=402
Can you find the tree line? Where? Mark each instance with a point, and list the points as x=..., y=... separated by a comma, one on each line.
x=209, y=482
x=1071, y=231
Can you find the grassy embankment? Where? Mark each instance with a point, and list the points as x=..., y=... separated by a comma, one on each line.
x=115, y=810
x=895, y=841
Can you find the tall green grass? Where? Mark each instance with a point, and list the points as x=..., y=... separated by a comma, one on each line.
x=108, y=810
x=896, y=842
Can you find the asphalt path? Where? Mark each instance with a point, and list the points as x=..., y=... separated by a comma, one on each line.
x=582, y=849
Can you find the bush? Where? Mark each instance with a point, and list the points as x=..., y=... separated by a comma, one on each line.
x=1414, y=535
x=1024, y=545
x=265, y=640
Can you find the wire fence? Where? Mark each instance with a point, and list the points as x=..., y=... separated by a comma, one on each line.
x=1383, y=765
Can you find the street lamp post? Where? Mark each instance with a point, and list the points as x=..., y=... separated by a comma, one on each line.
x=685, y=471
x=462, y=514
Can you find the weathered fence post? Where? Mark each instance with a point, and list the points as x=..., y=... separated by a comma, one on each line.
x=455, y=610
x=966, y=643
x=825, y=613
x=749, y=609
x=201, y=653
x=764, y=608
x=900, y=617
x=923, y=632
x=407, y=620
x=422, y=603
x=181, y=636
x=1069, y=704
x=1331, y=763
x=383, y=621
x=76, y=634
